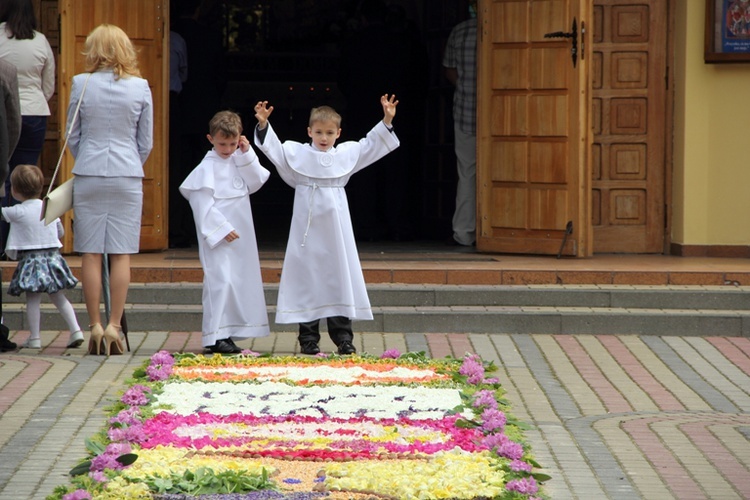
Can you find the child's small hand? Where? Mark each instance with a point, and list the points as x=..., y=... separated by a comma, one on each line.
x=389, y=108
x=244, y=144
x=262, y=112
x=231, y=237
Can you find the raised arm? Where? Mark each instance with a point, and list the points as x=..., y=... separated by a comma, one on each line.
x=262, y=112
x=389, y=108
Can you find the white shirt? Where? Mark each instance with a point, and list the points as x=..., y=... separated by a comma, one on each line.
x=27, y=231
x=35, y=63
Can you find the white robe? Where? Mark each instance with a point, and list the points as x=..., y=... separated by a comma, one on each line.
x=321, y=275
x=219, y=194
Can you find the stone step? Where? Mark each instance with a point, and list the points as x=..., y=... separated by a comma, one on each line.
x=550, y=309
x=622, y=296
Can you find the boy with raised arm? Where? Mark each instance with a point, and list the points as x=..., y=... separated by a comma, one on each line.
x=321, y=276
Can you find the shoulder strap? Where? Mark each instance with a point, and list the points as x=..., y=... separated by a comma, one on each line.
x=67, y=135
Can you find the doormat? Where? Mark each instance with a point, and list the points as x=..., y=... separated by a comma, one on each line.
x=251, y=426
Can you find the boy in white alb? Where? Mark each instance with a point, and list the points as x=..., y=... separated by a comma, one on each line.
x=234, y=306
x=321, y=276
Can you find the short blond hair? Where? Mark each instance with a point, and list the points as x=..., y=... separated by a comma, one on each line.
x=324, y=114
x=109, y=47
x=227, y=123
x=27, y=180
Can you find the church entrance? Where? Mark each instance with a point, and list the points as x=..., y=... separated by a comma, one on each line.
x=345, y=54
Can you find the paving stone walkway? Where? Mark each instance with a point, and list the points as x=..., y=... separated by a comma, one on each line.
x=612, y=417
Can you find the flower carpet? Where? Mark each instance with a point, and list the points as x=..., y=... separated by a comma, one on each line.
x=400, y=426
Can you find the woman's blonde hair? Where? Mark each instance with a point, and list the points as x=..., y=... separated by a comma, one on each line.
x=28, y=181
x=108, y=47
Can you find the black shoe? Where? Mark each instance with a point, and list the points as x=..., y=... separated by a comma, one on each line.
x=224, y=347
x=346, y=347
x=309, y=347
x=5, y=344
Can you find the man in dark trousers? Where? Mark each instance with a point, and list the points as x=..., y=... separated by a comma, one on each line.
x=10, y=131
x=460, y=63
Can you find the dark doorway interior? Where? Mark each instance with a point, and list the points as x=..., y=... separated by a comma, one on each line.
x=343, y=53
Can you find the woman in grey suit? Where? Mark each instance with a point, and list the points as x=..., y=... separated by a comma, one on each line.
x=110, y=141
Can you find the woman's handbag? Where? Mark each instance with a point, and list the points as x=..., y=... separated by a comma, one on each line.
x=57, y=202
x=60, y=200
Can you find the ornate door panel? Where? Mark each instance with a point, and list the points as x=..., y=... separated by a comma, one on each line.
x=533, y=151
x=629, y=114
x=145, y=23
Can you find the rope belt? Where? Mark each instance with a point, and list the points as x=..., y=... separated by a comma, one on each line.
x=315, y=187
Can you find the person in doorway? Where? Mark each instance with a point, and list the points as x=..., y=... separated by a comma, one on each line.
x=41, y=268
x=219, y=192
x=10, y=131
x=29, y=51
x=460, y=63
x=110, y=141
x=321, y=276
x=181, y=228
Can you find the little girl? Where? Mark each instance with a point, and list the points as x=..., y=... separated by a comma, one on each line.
x=41, y=268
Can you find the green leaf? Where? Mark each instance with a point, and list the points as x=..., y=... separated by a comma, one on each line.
x=541, y=478
x=95, y=447
x=466, y=424
x=161, y=484
x=534, y=463
x=82, y=468
x=127, y=459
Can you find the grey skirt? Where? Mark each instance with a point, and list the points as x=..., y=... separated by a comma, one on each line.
x=107, y=214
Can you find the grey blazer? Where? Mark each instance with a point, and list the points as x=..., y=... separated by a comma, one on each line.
x=10, y=117
x=113, y=134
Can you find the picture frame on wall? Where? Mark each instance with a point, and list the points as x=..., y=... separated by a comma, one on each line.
x=727, y=38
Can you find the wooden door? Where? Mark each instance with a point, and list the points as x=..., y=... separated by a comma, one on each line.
x=533, y=149
x=629, y=75
x=145, y=23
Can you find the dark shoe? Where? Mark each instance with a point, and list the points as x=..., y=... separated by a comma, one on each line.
x=5, y=344
x=309, y=347
x=346, y=347
x=224, y=347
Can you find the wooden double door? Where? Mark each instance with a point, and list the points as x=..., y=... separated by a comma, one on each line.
x=572, y=126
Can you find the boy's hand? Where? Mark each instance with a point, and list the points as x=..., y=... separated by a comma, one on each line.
x=244, y=144
x=231, y=237
x=262, y=112
x=389, y=108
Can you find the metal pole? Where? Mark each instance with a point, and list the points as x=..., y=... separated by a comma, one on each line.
x=105, y=287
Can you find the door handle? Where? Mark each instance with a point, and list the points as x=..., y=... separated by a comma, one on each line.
x=573, y=35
